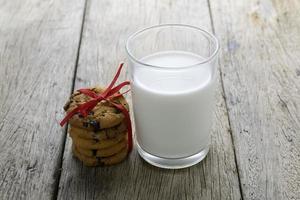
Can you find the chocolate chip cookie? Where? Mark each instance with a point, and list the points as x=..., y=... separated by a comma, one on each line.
x=103, y=134
x=106, y=152
x=95, y=143
x=95, y=161
x=103, y=115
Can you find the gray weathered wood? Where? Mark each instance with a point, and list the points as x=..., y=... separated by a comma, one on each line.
x=107, y=25
x=38, y=45
x=261, y=72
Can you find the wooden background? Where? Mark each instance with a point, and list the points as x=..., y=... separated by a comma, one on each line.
x=49, y=48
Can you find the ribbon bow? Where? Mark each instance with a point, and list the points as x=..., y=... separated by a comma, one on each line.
x=109, y=94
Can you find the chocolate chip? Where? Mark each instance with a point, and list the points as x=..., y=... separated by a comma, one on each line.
x=95, y=125
x=67, y=105
x=80, y=115
x=94, y=152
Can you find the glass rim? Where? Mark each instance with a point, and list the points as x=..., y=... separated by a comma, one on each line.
x=206, y=33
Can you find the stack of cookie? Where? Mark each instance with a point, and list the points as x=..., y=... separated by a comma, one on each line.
x=101, y=137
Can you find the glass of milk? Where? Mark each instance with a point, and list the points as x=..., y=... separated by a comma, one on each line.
x=173, y=72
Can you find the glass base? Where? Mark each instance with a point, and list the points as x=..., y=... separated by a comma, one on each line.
x=172, y=163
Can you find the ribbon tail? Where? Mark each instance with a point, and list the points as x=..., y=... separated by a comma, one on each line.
x=68, y=116
x=114, y=80
x=118, y=88
x=120, y=94
x=128, y=124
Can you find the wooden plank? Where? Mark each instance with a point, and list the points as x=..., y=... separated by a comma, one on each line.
x=38, y=49
x=107, y=25
x=261, y=73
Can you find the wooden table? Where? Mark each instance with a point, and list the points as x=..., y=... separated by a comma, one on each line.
x=49, y=48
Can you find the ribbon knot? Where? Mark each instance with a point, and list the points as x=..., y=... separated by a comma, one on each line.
x=109, y=94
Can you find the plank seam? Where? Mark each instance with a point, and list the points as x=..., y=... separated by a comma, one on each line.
x=60, y=163
x=210, y=16
x=226, y=105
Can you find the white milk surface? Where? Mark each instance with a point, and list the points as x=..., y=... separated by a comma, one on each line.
x=173, y=108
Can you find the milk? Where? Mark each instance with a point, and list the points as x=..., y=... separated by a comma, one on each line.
x=173, y=107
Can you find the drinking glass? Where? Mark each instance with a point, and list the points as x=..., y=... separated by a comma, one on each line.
x=173, y=77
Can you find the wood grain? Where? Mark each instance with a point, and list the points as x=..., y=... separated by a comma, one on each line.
x=38, y=46
x=260, y=62
x=107, y=25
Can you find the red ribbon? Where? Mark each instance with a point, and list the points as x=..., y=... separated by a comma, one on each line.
x=109, y=94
